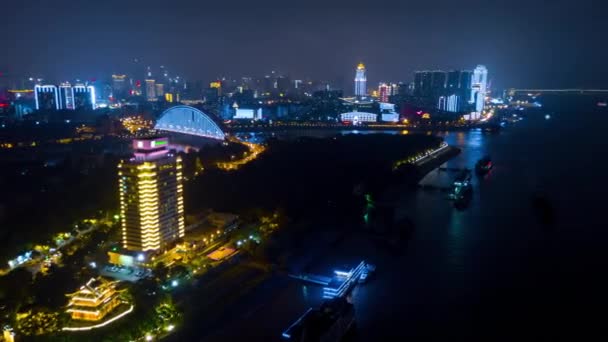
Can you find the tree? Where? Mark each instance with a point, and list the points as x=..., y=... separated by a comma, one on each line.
x=161, y=272
x=15, y=290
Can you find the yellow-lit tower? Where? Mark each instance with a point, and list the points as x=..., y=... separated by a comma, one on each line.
x=151, y=196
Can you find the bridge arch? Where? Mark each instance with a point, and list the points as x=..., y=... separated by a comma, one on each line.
x=189, y=120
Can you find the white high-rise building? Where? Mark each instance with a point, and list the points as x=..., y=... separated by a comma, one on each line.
x=360, y=81
x=479, y=82
x=66, y=96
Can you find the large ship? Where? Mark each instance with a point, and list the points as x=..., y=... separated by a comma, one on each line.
x=328, y=323
x=483, y=165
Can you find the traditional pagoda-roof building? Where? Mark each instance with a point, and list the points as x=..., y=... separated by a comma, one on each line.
x=94, y=300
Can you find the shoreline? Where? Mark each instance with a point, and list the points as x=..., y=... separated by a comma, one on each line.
x=431, y=164
x=337, y=128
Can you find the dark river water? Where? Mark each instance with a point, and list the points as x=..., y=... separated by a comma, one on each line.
x=490, y=272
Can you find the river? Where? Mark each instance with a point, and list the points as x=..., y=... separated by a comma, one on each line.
x=489, y=272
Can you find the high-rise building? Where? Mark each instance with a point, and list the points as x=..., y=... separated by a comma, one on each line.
x=216, y=85
x=450, y=91
x=160, y=90
x=283, y=84
x=151, y=89
x=384, y=91
x=151, y=196
x=453, y=81
x=119, y=87
x=360, y=81
x=46, y=97
x=465, y=81
x=479, y=83
x=438, y=82
x=422, y=83
x=78, y=96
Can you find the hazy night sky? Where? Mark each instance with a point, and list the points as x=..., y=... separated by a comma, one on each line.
x=555, y=43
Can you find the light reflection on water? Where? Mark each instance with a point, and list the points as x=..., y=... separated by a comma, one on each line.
x=492, y=247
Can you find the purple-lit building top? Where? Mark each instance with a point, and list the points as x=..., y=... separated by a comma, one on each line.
x=150, y=148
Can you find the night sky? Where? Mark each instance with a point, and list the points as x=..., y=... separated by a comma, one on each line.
x=555, y=43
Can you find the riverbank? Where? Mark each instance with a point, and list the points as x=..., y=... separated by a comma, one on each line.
x=371, y=127
x=436, y=160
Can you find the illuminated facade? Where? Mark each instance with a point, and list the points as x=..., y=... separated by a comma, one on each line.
x=160, y=90
x=216, y=85
x=66, y=96
x=384, y=91
x=151, y=90
x=151, y=196
x=76, y=97
x=46, y=97
x=357, y=117
x=388, y=113
x=449, y=103
x=119, y=86
x=93, y=301
x=479, y=82
x=360, y=81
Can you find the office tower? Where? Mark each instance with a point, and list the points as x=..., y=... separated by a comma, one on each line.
x=84, y=96
x=216, y=85
x=438, y=82
x=360, y=81
x=46, y=97
x=212, y=95
x=151, y=89
x=479, y=82
x=422, y=83
x=453, y=80
x=465, y=81
x=160, y=90
x=66, y=96
x=151, y=196
x=394, y=89
x=78, y=96
x=384, y=91
x=119, y=87
x=283, y=84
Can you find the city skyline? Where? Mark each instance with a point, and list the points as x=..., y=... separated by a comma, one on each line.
x=518, y=41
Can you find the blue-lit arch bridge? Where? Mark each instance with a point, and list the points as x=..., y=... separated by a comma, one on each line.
x=191, y=121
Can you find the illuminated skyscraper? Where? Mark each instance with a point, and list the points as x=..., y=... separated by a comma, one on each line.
x=151, y=196
x=160, y=90
x=478, y=87
x=47, y=97
x=360, y=81
x=423, y=83
x=119, y=87
x=151, y=89
x=384, y=91
x=76, y=97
